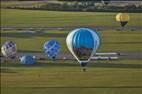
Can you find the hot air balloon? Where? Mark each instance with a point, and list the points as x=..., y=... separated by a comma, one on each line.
x=52, y=48
x=123, y=18
x=83, y=43
x=9, y=49
x=27, y=59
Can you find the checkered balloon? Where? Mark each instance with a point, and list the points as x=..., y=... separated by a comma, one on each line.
x=52, y=48
x=9, y=49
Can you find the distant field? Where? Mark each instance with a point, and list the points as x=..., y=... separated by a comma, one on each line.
x=30, y=18
x=27, y=4
x=37, y=3
x=66, y=77
x=111, y=40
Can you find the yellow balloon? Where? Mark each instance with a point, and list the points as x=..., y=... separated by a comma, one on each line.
x=122, y=17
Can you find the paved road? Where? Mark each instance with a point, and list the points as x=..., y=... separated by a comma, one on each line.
x=121, y=55
x=99, y=28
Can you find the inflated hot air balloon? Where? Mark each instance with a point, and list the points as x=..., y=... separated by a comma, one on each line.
x=9, y=49
x=83, y=43
x=52, y=48
x=27, y=59
x=123, y=18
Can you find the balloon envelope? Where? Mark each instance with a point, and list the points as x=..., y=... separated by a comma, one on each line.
x=9, y=49
x=52, y=48
x=122, y=17
x=83, y=43
x=27, y=59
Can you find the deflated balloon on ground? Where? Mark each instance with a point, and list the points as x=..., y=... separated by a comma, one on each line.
x=27, y=59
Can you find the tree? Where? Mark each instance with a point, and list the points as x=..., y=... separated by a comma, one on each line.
x=83, y=2
x=88, y=2
x=105, y=1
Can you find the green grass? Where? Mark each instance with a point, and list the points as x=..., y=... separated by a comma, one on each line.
x=114, y=41
x=30, y=18
x=66, y=77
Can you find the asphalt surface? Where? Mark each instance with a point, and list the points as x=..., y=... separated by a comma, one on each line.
x=99, y=28
x=65, y=56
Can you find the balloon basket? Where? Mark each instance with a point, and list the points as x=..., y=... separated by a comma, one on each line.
x=84, y=69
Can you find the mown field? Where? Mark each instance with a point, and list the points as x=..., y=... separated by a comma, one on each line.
x=30, y=18
x=66, y=77
x=113, y=41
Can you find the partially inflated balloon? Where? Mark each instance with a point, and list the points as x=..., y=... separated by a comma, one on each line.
x=9, y=49
x=27, y=59
x=52, y=48
x=123, y=18
x=83, y=43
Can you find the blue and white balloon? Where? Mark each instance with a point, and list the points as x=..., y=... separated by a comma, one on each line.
x=52, y=48
x=27, y=59
x=9, y=49
x=83, y=43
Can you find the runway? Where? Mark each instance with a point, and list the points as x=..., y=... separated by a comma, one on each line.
x=67, y=56
x=99, y=28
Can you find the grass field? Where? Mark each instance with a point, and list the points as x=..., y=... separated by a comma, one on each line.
x=66, y=77
x=115, y=41
x=30, y=18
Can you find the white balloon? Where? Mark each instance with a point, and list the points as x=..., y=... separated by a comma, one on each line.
x=9, y=49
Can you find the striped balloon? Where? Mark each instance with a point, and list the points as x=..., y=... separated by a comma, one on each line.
x=52, y=48
x=83, y=43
